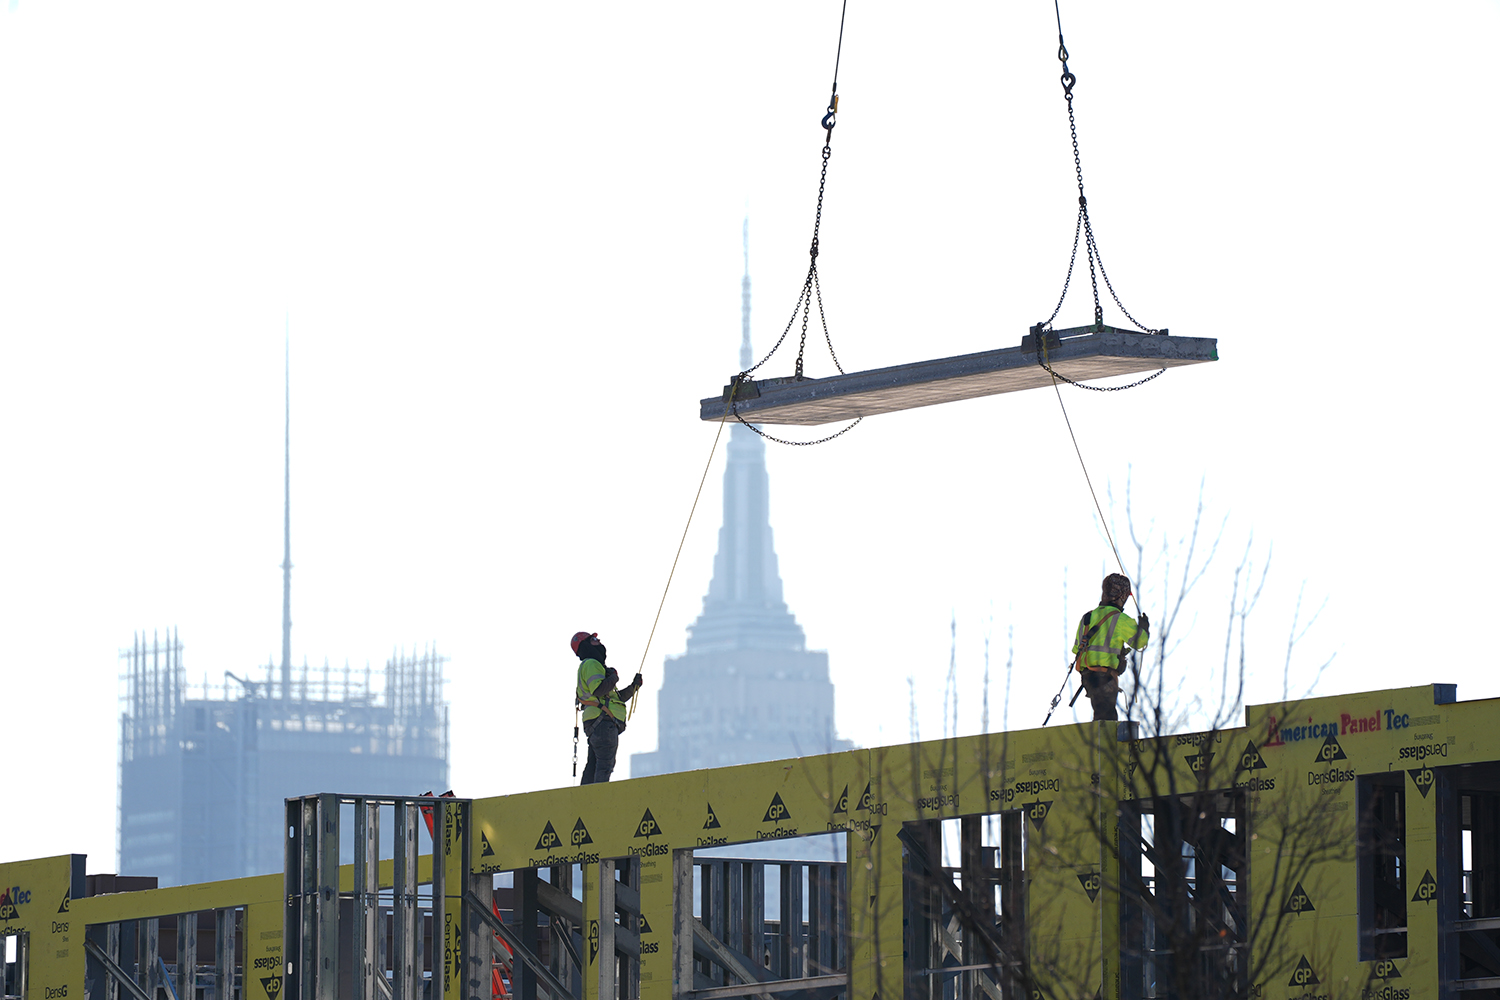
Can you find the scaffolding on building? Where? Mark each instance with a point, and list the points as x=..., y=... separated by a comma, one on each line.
x=195, y=755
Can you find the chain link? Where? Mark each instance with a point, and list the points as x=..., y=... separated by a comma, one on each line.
x=1084, y=226
x=1098, y=388
x=1072, y=259
x=812, y=289
x=1042, y=360
x=772, y=437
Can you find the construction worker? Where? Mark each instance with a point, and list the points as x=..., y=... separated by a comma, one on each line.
x=603, y=703
x=1100, y=650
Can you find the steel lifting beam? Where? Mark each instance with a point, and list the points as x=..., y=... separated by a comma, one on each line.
x=1080, y=354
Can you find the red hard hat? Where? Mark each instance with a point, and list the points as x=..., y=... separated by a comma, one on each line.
x=580, y=637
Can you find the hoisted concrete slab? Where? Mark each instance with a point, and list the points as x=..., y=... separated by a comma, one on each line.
x=1082, y=354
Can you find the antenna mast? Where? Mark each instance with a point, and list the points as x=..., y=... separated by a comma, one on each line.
x=286, y=558
x=746, y=358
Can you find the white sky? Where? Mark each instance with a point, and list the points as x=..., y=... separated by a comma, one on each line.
x=508, y=240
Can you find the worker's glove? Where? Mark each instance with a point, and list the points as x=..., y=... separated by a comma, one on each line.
x=1145, y=622
x=637, y=682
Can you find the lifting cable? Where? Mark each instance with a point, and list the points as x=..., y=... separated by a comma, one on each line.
x=634, y=698
x=811, y=289
x=1102, y=522
x=1085, y=228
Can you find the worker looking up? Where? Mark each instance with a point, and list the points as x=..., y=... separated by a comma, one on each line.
x=603, y=704
x=1100, y=649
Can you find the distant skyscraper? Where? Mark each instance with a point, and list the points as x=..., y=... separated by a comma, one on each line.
x=748, y=688
x=203, y=774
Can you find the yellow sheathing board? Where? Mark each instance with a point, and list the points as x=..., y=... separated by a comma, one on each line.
x=265, y=959
x=455, y=869
x=649, y=817
x=36, y=900
x=180, y=899
x=1307, y=825
x=782, y=799
x=656, y=930
x=1297, y=765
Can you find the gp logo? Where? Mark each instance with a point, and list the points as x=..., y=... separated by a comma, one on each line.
x=1303, y=974
x=272, y=986
x=1298, y=901
x=647, y=827
x=1424, y=779
x=1426, y=889
x=842, y=805
x=1330, y=751
x=777, y=810
x=1090, y=883
x=1250, y=759
x=1387, y=970
x=549, y=839
x=581, y=834
x=1037, y=812
x=1199, y=763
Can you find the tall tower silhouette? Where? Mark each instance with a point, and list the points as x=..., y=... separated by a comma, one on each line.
x=747, y=688
x=205, y=769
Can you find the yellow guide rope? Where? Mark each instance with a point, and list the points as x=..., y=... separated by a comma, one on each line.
x=728, y=402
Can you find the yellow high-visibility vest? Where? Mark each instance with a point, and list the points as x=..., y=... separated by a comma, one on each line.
x=590, y=676
x=1105, y=646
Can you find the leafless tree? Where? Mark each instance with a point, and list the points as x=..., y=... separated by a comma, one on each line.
x=1174, y=819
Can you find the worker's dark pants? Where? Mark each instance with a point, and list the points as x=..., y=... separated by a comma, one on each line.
x=1102, y=687
x=604, y=743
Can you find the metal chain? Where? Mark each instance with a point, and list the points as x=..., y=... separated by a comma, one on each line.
x=811, y=280
x=1094, y=253
x=784, y=332
x=1098, y=388
x=827, y=339
x=1085, y=227
x=772, y=437
x=1042, y=360
x=811, y=287
x=1072, y=259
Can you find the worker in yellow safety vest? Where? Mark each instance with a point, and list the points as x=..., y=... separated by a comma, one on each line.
x=603, y=703
x=1105, y=635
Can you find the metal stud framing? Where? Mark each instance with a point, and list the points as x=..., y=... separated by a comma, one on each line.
x=362, y=942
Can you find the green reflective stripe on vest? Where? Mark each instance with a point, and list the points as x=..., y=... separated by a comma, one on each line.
x=590, y=676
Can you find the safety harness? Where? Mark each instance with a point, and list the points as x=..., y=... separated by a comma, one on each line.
x=1084, y=647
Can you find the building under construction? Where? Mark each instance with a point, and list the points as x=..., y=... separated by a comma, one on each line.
x=204, y=769
x=1337, y=847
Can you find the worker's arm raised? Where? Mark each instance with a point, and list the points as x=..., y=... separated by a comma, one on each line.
x=1142, y=632
x=629, y=690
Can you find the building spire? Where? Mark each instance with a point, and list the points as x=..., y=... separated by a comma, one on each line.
x=744, y=608
x=746, y=358
x=286, y=558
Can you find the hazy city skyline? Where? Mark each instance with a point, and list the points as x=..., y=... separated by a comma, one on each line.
x=508, y=239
